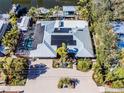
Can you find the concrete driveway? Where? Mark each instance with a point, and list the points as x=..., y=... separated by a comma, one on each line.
x=47, y=82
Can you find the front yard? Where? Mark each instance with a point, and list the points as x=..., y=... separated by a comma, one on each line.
x=48, y=81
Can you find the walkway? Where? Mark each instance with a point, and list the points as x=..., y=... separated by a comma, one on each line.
x=47, y=82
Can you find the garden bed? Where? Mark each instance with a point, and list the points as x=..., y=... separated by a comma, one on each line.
x=57, y=64
x=67, y=82
x=84, y=65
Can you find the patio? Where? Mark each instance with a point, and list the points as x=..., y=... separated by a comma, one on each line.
x=47, y=82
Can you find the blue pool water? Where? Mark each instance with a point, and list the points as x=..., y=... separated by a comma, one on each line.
x=120, y=44
x=120, y=35
x=75, y=50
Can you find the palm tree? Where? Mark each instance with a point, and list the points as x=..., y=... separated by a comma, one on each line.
x=13, y=20
x=33, y=12
x=13, y=69
x=62, y=51
x=56, y=10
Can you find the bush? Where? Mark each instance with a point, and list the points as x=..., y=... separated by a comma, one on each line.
x=57, y=64
x=84, y=65
x=118, y=84
x=98, y=78
x=70, y=65
x=67, y=83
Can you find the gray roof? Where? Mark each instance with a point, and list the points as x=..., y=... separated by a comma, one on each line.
x=38, y=35
x=3, y=30
x=79, y=31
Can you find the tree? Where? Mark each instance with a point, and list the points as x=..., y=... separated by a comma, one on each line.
x=13, y=20
x=83, y=13
x=62, y=51
x=33, y=12
x=10, y=39
x=117, y=9
x=84, y=9
x=14, y=68
x=84, y=65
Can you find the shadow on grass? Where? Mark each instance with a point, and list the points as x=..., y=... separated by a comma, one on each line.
x=36, y=70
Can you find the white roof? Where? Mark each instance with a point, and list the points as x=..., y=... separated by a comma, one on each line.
x=118, y=27
x=83, y=39
x=69, y=8
x=1, y=23
x=3, y=27
x=4, y=16
x=72, y=24
x=24, y=23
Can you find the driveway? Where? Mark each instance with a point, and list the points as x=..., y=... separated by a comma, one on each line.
x=47, y=82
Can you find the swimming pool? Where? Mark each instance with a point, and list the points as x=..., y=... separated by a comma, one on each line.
x=120, y=35
x=120, y=44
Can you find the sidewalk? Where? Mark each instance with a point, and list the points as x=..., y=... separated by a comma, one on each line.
x=12, y=88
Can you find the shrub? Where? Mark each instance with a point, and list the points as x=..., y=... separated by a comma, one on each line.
x=84, y=65
x=98, y=78
x=70, y=65
x=118, y=84
x=55, y=63
x=67, y=83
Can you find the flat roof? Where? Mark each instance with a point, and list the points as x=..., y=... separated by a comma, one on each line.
x=69, y=8
x=24, y=23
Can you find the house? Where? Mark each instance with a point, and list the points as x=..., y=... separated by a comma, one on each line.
x=49, y=35
x=118, y=28
x=4, y=16
x=23, y=23
x=18, y=10
x=3, y=28
x=69, y=11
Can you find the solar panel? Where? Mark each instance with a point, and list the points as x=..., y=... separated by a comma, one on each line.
x=59, y=39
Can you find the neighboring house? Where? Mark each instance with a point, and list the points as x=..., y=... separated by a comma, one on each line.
x=3, y=28
x=118, y=28
x=69, y=11
x=18, y=10
x=23, y=23
x=4, y=16
x=49, y=35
